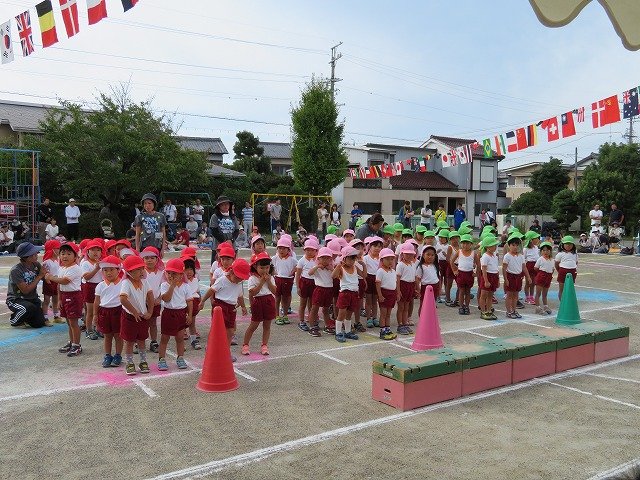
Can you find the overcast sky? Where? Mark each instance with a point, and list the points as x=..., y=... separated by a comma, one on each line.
x=410, y=69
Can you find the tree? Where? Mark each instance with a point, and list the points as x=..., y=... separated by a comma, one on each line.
x=319, y=161
x=550, y=178
x=249, y=155
x=115, y=153
x=615, y=178
x=565, y=208
x=531, y=203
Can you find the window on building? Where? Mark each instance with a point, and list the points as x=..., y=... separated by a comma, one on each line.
x=370, y=208
x=525, y=181
x=396, y=205
x=392, y=157
x=280, y=169
x=417, y=205
x=511, y=181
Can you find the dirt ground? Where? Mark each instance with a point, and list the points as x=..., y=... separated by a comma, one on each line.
x=306, y=411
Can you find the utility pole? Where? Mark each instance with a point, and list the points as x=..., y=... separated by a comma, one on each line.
x=575, y=172
x=335, y=56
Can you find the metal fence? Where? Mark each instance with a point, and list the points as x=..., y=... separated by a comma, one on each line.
x=20, y=186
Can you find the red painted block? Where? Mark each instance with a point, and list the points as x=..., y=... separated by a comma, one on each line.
x=573, y=357
x=616, y=348
x=485, y=378
x=407, y=396
x=534, y=366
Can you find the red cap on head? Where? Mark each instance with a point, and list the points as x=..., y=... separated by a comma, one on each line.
x=72, y=246
x=110, y=261
x=150, y=252
x=132, y=262
x=175, y=265
x=124, y=242
x=260, y=256
x=109, y=244
x=227, y=252
x=240, y=268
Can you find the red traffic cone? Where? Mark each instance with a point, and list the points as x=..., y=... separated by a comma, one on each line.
x=217, y=370
x=428, y=331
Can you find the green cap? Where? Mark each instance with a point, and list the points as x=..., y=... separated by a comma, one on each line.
x=429, y=233
x=568, y=239
x=388, y=229
x=398, y=227
x=464, y=230
x=442, y=224
x=513, y=229
x=360, y=222
x=466, y=238
x=453, y=233
x=332, y=229
x=530, y=235
x=407, y=231
x=547, y=244
x=444, y=233
x=465, y=223
x=489, y=241
x=514, y=236
x=421, y=229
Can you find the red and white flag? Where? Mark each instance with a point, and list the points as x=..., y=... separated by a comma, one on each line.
x=551, y=126
x=69, y=10
x=5, y=38
x=604, y=112
x=96, y=10
x=397, y=168
x=24, y=32
x=464, y=154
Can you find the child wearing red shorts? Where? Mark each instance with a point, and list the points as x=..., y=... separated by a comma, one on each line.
x=489, y=278
x=304, y=282
x=406, y=273
x=50, y=289
x=137, y=306
x=228, y=295
x=262, y=288
x=193, y=282
x=387, y=290
x=566, y=261
x=284, y=265
x=513, y=269
x=323, y=292
x=442, y=247
x=177, y=312
x=107, y=310
x=531, y=253
x=463, y=264
x=427, y=273
x=361, y=266
x=544, y=274
x=372, y=261
x=348, y=298
x=91, y=277
x=69, y=278
x=154, y=271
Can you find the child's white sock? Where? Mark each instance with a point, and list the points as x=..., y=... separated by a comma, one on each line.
x=347, y=326
x=192, y=338
x=339, y=326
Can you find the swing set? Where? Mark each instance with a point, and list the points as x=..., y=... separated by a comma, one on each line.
x=294, y=204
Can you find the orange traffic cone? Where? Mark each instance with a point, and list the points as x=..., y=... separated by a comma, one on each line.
x=217, y=370
x=428, y=331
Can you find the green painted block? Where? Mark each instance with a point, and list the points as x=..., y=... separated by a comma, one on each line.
x=566, y=337
x=523, y=345
x=602, y=331
x=474, y=355
x=417, y=366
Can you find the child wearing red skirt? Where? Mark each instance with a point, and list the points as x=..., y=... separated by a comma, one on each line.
x=454, y=246
x=544, y=274
x=137, y=306
x=406, y=273
x=284, y=264
x=323, y=293
x=372, y=261
x=489, y=278
x=442, y=248
x=91, y=277
x=304, y=282
x=513, y=269
x=154, y=271
x=69, y=278
x=193, y=282
x=387, y=290
x=262, y=288
x=228, y=295
x=361, y=266
x=50, y=289
x=566, y=262
x=427, y=273
x=107, y=310
x=348, y=298
x=463, y=264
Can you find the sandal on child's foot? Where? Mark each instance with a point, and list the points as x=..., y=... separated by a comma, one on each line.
x=264, y=350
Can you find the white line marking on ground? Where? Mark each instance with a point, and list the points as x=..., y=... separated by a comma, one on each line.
x=399, y=345
x=5, y=313
x=480, y=334
x=607, y=290
x=263, y=453
x=536, y=325
x=601, y=397
x=612, y=265
x=144, y=388
x=53, y=391
x=617, y=471
x=245, y=375
x=609, y=377
x=614, y=307
x=326, y=355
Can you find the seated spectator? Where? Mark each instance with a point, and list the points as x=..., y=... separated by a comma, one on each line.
x=241, y=240
x=192, y=227
x=255, y=232
x=585, y=244
x=276, y=234
x=599, y=242
x=204, y=234
x=7, y=243
x=182, y=239
x=615, y=233
x=302, y=235
x=52, y=230
x=535, y=226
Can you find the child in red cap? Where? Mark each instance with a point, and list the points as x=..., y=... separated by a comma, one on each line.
x=261, y=298
x=107, y=309
x=154, y=271
x=228, y=295
x=284, y=265
x=50, y=289
x=91, y=277
x=177, y=312
x=69, y=277
x=137, y=306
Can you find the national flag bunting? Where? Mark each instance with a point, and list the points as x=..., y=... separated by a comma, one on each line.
x=486, y=147
x=579, y=114
x=69, y=10
x=568, y=127
x=512, y=144
x=24, y=32
x=397, y=168
x=96, y=10
x=630, y=103
x=521, y=139
x=605, y=111
x=499, y=144
x=464, y=154
x=532, y=135
x=551, y=126
x=7, y=46
x=128, y=4
x=47, y=23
